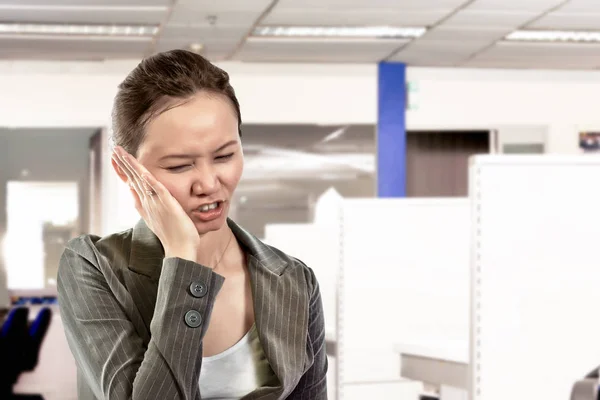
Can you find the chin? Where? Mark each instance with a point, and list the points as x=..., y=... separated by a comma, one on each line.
x=212, y=225
x=205, y=227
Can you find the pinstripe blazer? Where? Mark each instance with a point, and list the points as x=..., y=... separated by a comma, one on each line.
x=123, y=308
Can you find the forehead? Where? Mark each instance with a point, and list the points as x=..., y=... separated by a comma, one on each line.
x=202, y=121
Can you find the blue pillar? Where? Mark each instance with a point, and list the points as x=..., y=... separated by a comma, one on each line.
x=391, y=130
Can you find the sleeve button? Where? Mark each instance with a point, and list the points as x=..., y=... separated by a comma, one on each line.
x=193, y=319
x=198, y=289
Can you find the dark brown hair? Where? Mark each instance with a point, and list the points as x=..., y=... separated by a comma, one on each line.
x=175, y=74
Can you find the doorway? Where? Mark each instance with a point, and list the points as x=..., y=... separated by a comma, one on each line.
x=41, y=218
x=437, y=162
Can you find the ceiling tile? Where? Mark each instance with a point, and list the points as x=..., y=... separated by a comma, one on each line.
x=427, y=59
x=93, y=15
x=530, y=63
x=367, y=51
x=547, y=50
x=70, y=48
x=581, y=6
x=209, y=46
x=202, y=34
x=514, y=5
x=371, y=4
x=538, y=55
x=217, y=7
x=568, y=21
x=185, y=16
x=446, y=48
x=46, y=3
x=462, y=34
x=327, y=17
x=476, y=18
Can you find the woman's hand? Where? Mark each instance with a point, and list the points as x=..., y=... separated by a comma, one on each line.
x=159, y=209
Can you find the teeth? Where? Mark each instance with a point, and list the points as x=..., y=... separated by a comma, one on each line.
x=208, y=207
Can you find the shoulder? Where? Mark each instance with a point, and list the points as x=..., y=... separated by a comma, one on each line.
x=298, y=268
x=96, y=250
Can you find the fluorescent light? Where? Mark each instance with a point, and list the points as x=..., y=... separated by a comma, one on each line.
x=383, y=32
x=80, y=7
x=65, y=29
x=554, y=36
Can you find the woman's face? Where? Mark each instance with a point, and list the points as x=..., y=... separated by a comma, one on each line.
x=194, y=150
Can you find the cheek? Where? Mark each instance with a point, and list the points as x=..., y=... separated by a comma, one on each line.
x=175, y=185
x=232, y=174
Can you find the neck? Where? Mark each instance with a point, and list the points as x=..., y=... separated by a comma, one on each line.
x=214, y=245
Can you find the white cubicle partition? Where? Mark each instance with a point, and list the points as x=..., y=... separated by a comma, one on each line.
x=403, y=278
x=536, y=275
x=318, y=248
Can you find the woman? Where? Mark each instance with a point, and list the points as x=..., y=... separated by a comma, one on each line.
x=187, y=304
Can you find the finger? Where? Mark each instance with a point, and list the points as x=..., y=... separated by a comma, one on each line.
x=138, y=171
x=134, y=179
x=153, y=183
x=131, y=180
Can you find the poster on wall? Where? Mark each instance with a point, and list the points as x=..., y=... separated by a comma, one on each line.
x=589, y=142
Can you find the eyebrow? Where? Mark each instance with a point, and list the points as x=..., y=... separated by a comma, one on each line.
x=190, y=155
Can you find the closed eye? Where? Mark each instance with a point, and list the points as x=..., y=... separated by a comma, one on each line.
x=178, y=168
x=224, y=157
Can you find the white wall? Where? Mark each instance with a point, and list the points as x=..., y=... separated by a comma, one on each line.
x=559, y=103
x=80, y=94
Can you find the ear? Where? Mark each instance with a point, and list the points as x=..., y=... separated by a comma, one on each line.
x=119, y=172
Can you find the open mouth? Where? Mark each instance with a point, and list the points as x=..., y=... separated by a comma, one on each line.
x=209, y=212
x=210, y=207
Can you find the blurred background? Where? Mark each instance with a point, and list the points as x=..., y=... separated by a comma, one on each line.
x=474, y=77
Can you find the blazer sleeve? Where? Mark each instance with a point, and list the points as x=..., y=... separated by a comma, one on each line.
x=109, y=352
x=313, y=384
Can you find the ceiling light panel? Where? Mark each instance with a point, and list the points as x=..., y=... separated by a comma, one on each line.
x=78, y=30
x=94, y=14
x=374, y=32
x=535, y=35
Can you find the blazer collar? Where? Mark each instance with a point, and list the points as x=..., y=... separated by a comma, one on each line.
x=147, y=252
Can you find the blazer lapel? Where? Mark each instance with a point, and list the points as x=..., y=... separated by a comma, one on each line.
x=281, y=306
x=280, y=294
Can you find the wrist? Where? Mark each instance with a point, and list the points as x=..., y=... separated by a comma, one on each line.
x=185, y=254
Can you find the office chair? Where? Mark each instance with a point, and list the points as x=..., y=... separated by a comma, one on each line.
x=25, y=348
x=37, y=333
x=13, y=340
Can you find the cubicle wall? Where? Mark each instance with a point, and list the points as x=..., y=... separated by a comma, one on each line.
x=536, y=275
x=391, y=271
x=403, y=278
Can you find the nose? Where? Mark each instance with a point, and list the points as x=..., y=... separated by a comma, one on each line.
x=206, y=182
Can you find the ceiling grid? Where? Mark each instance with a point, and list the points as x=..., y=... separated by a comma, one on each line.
x=453, y=33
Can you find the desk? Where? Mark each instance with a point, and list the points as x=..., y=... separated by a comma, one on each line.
x=441, y=363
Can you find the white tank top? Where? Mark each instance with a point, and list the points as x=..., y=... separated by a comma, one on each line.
x=237, y=371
